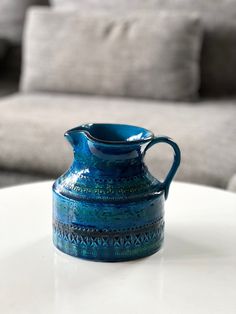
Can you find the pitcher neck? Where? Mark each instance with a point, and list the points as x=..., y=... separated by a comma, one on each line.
x=93, y=159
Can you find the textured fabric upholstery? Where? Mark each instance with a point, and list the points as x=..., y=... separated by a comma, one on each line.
x=123, y=5
x=150, y=56
x=32, y=128
x=219, y=44
x=12, y=14
x=232, y=184
x=9, y=178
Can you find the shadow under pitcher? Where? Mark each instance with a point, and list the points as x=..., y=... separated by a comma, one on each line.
x=107, y=206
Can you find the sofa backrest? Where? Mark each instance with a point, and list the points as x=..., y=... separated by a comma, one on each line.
x=12, y=16
x=124, y=5
x=12, y=13
x=218, y=62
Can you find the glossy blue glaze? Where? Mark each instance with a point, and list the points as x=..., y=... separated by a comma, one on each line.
x=108, y=206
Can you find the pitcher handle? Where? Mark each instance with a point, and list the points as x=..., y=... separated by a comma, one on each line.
x=177, y=156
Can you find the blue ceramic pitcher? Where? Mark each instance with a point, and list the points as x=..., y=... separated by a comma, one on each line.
x=107, y=206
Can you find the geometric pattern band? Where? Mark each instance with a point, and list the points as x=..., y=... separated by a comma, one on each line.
x=120, y=238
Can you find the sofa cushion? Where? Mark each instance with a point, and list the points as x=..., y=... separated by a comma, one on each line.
x=32, y=128
x=124, y=5
x=232, y=184
x=12, y=14
x=218, y=75
x=9, y=178
x=150, y=56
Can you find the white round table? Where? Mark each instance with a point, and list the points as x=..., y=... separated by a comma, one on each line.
x=195, y=272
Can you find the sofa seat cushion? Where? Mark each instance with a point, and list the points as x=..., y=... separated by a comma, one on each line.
x=10, y=178
x=232, y=184
x=32, y=128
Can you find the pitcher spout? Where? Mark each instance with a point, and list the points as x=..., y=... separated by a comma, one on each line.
x=75, y=135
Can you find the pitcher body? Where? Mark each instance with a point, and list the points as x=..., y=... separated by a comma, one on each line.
x=107, y=206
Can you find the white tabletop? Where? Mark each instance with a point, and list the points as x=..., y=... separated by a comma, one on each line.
x=195, y=272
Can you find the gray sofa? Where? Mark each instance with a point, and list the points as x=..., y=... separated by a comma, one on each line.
x=33, y=120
